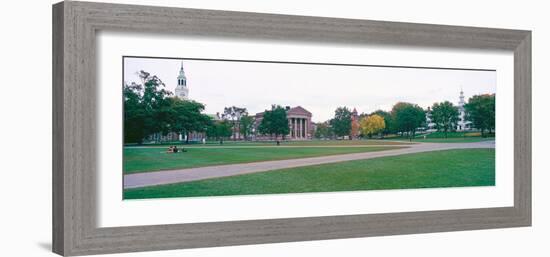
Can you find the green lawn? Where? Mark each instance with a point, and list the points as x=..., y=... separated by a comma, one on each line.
x=153, y=159
x=454, y=140
x=452, y=137
x=450, y=168
x=452, y=134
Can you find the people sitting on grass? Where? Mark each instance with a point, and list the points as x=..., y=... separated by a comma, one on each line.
x=175, y=149
x=170, y=149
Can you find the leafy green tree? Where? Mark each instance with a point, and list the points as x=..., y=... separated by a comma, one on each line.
x=388, y=121
x=246, y=124
x=225, y=129
x=341, y=123
x=186, y=117
x=480, y=110
x=145, y=108
x=408, y=117
x=323, y=130
x=274, y=122
x=212, y=131
x=445, y=116
x=149, y=109
x=134, y=115
x=219, y=130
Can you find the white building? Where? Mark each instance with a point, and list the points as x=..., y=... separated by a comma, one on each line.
x=430, y=125
x=182, y=91
x=462, y=123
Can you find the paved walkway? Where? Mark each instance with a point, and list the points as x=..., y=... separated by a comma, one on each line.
x=185, y=175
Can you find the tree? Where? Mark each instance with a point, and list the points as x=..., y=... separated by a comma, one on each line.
x=323, y=131
x=388, y=121
x=134, y=115
x=341, y=123
x=372, y=124
x=212, y=131
x=480, y=110
x=445, y=116
x=145, y=108
x=224, y=129
x=274, y=122
x=234, y=114
x=219, y=130
x=408, y=117
x=246, y=125
x=186, y=117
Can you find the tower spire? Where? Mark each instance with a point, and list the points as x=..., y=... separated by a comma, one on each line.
x=461, y=101
x=182, y=91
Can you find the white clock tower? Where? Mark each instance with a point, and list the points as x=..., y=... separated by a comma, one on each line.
x=182, y=91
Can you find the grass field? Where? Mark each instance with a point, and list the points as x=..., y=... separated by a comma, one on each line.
x=452, y=137
x=453, y=140
x=450, y=168
x=453, y=134
x=144, y=159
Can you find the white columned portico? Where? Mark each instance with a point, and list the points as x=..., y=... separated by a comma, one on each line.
x=297, y=128
x=301, y=127
x=305, y=128
x=290, y=126
x=294, y=128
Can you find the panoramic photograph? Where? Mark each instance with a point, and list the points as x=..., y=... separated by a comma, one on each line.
x=203, y=127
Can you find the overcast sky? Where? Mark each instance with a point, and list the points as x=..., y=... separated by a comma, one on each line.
x=318, y=88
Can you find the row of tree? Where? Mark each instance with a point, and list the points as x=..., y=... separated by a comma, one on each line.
x=480, y=111
x=237, y=123
x=404, y=118
x=149, y=109
x=407, y=118
x=234, y=122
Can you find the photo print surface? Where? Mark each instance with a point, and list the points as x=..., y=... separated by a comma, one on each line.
x=203, y=127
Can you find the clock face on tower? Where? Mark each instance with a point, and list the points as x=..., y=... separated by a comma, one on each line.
x=181, y=92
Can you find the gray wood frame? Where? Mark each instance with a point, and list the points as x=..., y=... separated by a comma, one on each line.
x=74, y=129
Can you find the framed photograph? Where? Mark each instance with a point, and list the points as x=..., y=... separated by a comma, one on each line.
x=181, y=128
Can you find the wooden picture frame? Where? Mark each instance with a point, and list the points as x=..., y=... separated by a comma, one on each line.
x=74, y=129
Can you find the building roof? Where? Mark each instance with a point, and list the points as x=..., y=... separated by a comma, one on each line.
x=214, y=117
x=297, y=110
